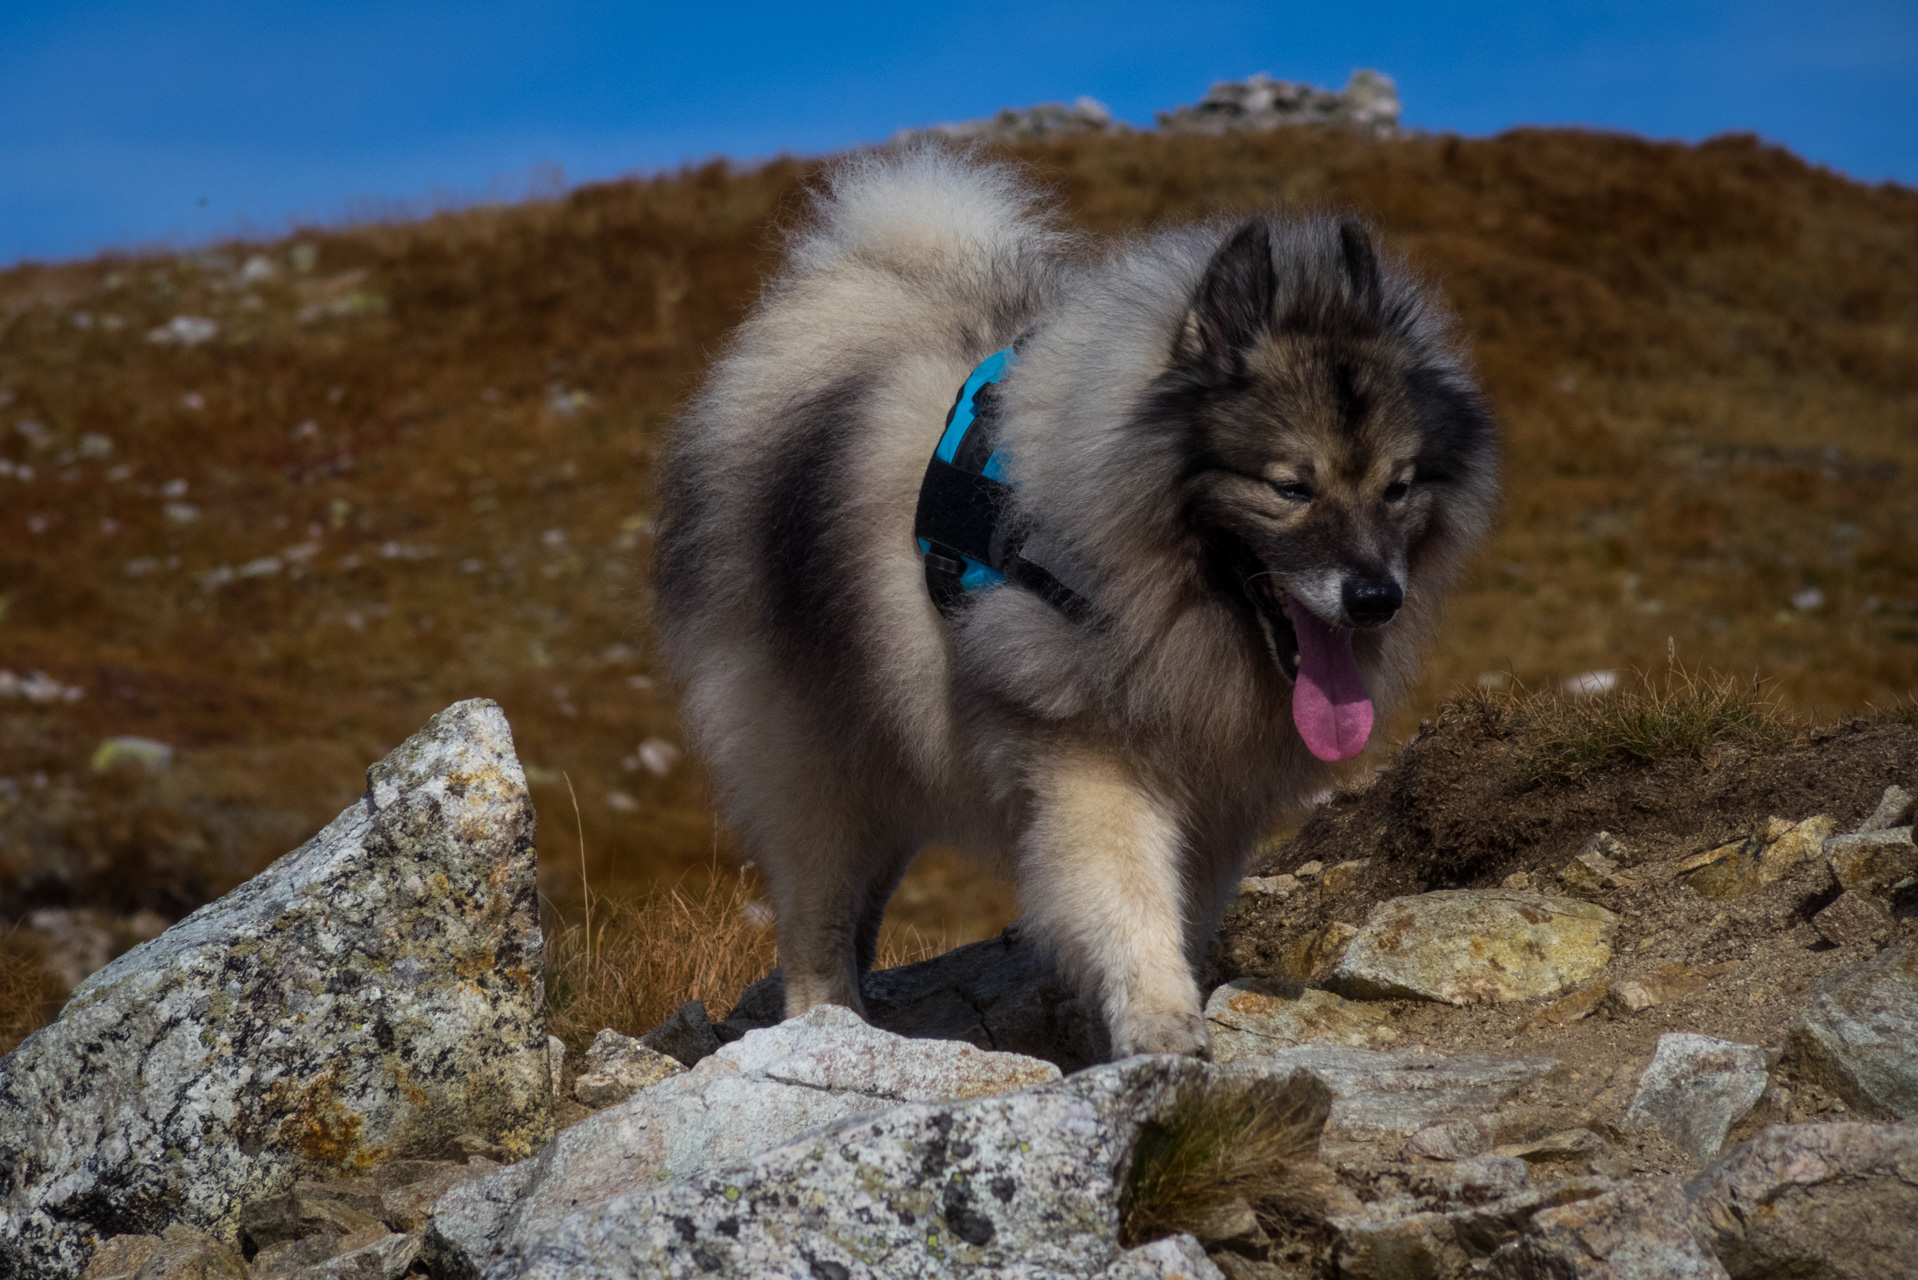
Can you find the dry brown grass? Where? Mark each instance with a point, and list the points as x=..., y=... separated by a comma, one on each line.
x=1686, y=714
x=29, y=995
x=707, y=938
x=1226, y=1142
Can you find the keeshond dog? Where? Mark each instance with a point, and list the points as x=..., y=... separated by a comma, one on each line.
x=1233, y=467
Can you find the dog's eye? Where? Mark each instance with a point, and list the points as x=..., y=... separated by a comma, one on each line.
x=1397, y=490
x=1293, y=491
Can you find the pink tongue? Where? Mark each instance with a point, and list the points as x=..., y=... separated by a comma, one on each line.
x=1329, y=702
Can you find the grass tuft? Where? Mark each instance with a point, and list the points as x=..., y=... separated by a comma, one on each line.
x=628, y=965
x=1217, y=1145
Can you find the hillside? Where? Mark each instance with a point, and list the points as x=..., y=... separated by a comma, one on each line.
x=407, y=464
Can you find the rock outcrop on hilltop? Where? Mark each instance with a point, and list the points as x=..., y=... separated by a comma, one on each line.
x=342, y=1071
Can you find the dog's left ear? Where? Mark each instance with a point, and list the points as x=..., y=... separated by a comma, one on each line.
x=1361, y=263
x=1233, y=304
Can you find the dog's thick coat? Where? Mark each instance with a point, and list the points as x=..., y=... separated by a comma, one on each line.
x=1245, y=444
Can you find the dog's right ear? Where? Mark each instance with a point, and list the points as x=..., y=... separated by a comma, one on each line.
x=1233, y=304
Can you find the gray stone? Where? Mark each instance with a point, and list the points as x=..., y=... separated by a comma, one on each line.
x=1450, y=1140
x=1894, y=808
x=410, y=1188
x=1025, y=1184
x=1252, y=1016
x=1378, y=1095
x=336, y=1208
x=372, y=995
x=757, y=1092
x=1695, y=1089
x=1854, y=916
x=1394, y=1241
x=1873, y=859
x=556, y=1063
x=1858, y=1035
x=1173, y=1258
x=180, y=1254
x=387, y=1257
x=617, y=1067
x=687, y=1036
x=1465, y=946
x=1643, y=1230
x=1022, y=124
x=1814, y=1202
x=1369, y=103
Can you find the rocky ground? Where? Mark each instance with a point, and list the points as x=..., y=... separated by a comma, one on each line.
x=1633, y=1018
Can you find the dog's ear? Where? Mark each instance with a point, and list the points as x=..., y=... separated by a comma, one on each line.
x=1361, y=263
x=1233, y=304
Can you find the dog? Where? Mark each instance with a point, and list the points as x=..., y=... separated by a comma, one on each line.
x=1249, y=455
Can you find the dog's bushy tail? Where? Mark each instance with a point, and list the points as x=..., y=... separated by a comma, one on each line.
x=920, y=211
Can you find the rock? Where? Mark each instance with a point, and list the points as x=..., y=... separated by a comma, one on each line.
x=1463, y=946
x=1858, y=1035
x=1662, y=986
x=1894, y=808
x=1695, y=1089
x=1379, y=1095
x=617, y=1067
x=386, y=1257
x=410, y=1188
x=337, y=1208
x=370, y=996
x=1026, y=1183
x=1788, y=844
x=1022, y=124
x=1643, y=1230
x=1390, y=1241
x=1452, y=1140
x=1368, y=103
x=556, y=1063
x=180, y=1254
x=1590, y=873
x=1577, y=1147
x=1820, y=1201
x=1854, y=916
x=1250, y=1017
x=687, y=1036
x=1728, y=871
x=1281, y=886
x=1873, y=860
x=1314, y=956
x=1520, y=880
x=1173, y=1258
x=121, y=1257
x=1309, y=870
x=762, y=1090
x=1343, y=876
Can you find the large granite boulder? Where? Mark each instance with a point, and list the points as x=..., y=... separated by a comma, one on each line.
x=1815, y=1201
x=373, y=995
x=755, y=1093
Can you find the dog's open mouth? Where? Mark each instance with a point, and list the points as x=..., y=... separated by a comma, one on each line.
x=1331, y=707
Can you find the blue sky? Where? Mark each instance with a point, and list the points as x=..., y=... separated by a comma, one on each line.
x=139, y=123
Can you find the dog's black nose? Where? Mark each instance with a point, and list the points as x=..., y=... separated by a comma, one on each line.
x=1371, y=602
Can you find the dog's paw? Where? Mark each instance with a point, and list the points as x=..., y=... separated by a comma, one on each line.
x=1185, y=1034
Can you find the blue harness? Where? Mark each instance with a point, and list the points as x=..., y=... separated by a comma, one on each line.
x=963, y=524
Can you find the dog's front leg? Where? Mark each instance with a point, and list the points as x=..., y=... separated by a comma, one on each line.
x=1099, y=870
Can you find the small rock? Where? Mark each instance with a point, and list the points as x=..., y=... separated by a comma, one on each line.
x=1177, y=1257
x=1314, y=956
x=1814, y=1200
x=1666, y=984
x=1858, y=1035
x=1280, y=886
x=410, y=1188
x=146, y=753
x=1452, y=1140
x=290, y=1257
x=1307, y=870
x=337, y=1208
x=1578, y=1004
x=1343, y=876
x=1590, y=873
x=1695, y=1089
x=1873, y=860
x=388, y=1257
x=1606, y=845
x=1854, y=916
x=1384, y=1242
x=1643, y=1230
x=1231, y=1221
x=617, y=1067
x=180, y=1254
x=1788, y=844
x=1520, y=880
x=556, y=1055
x=1380, y=1095
x=687, y=1036
x=1467, y=946
x=121, y=1257
x=1894, y=808
x=1251, y=1017
x=1566, y=1147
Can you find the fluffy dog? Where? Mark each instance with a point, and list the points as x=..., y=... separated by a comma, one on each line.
x=1252, y=450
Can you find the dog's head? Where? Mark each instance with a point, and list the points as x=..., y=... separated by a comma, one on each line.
x=1337, y=456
